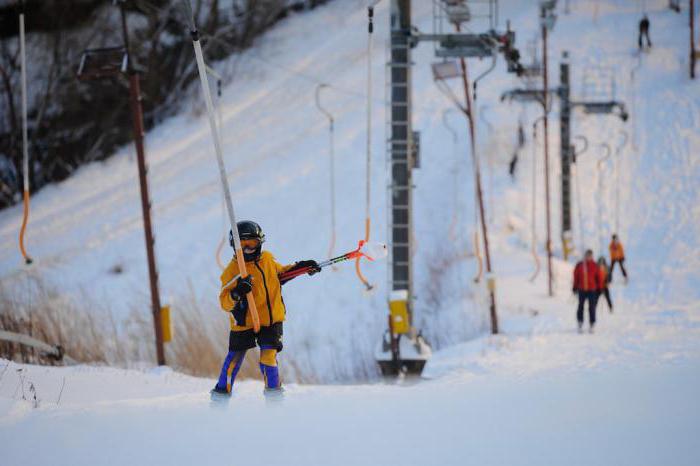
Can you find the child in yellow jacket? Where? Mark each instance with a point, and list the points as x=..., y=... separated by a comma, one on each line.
x=263, y=282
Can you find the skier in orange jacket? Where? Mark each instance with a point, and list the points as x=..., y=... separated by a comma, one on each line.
x=617, y=256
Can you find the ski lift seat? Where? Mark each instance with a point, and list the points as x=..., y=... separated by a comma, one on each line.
x=446, y=70
x=466, y=45
x=103, y=63
x=598, y=107
x=458, y=14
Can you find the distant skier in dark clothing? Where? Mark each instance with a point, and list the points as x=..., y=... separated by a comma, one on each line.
x=521, y=143
x=604, y=272
x=644, y=31
x=587, y=284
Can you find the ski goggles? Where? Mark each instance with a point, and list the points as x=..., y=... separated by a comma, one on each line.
x=251, y=244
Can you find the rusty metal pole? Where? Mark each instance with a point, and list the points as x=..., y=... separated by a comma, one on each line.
x=692, y=39
x=482, y=210
x=137, y=120
x=546, y=156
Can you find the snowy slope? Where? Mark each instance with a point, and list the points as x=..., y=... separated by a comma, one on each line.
x=276, y=154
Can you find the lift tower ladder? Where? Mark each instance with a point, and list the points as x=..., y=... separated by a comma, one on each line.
x=400, y=149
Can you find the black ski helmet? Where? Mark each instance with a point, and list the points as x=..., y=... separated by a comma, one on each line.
x=248, y=229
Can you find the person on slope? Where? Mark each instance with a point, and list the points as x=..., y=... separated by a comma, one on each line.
x=603, y=266
x=644, y=32
x=587, y=283
x=617, y=256
x=265, y=285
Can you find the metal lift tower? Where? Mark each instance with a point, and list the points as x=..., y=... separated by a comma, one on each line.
x=402, y=350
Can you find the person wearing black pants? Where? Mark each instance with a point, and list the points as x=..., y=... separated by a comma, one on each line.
x=592, y=298
x=644, y=32
x=604, y=273
x=622, y=268
x=587, y=285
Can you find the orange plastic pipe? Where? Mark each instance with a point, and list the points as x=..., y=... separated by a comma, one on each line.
x=218, y=253
x=22, y=230
x=357, y=261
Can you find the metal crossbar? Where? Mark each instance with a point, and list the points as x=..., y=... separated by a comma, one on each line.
x=52, y=351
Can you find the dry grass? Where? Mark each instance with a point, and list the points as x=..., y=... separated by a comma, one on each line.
x=36, y=310
x=89, y=334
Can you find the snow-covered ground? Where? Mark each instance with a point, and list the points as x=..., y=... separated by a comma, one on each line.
x=640, y=416
x=537, y=394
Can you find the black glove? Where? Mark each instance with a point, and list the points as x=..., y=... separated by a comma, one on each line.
x=239, y=312
x=242, y=288
x=574, y=290
x=311, y=264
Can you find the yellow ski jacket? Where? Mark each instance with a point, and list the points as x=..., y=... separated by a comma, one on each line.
x=267, y=290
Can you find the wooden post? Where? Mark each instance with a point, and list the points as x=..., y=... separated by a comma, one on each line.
x=137, y=120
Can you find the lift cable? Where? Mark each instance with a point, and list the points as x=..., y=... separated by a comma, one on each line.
x=489, y=156
x=455, y=174
x=579, y=203
x=534, y=200
x=601, y=186
x=331, y=143
x=220, y=124
x=25, y=148
x=618, y=155
x=370, y=30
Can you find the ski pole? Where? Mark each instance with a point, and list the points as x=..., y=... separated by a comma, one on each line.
x=370, y=251
x=201, y=68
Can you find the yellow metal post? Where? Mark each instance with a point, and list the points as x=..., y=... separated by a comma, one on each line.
x=166, y=324
x=398, y=309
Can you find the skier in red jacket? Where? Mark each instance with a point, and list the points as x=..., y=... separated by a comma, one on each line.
x=587, y=283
